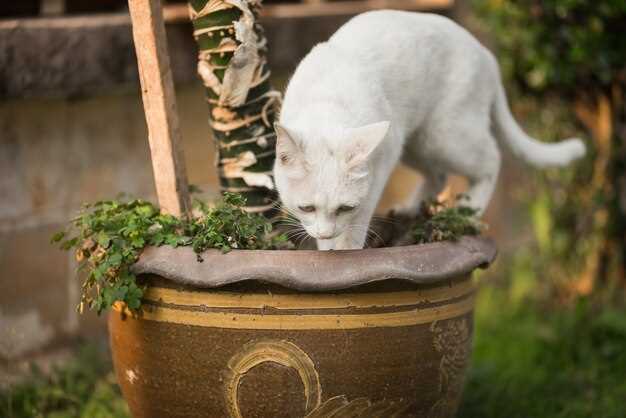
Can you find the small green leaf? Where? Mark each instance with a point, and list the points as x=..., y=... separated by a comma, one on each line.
x=103, y=239
x=115, y=259
x=146, y=210
x=57, y=237
x=66, y=245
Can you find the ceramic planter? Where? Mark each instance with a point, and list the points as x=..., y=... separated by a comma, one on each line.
x=369, y=333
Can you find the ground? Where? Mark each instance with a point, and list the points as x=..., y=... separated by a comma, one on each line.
x=529, y=361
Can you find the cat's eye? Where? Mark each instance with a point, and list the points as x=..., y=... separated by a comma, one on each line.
x=307, y=209
x=345, y=209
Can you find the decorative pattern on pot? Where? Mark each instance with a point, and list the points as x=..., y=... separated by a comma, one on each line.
x=282, y=352
x=290, y=355
x=453, y=340
x=341, y=407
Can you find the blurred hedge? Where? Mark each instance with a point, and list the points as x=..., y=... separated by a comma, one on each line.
x=572, y=51
x=570, y=45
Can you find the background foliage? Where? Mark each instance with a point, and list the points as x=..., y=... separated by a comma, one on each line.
x=550, y=325
x=569, y=45
x=567, y=61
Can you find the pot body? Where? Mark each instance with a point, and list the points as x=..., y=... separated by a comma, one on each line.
x=384, y=350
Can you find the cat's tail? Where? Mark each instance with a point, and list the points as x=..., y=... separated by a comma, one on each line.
x=529, y=149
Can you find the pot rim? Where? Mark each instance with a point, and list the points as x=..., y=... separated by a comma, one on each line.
x=319, y=271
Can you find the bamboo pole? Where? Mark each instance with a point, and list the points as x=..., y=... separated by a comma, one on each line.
x=159, y=102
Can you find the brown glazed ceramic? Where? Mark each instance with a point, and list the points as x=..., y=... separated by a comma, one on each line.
x=289, y=338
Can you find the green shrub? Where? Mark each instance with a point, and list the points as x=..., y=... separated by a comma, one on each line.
x=571, y=52
x=569, y=45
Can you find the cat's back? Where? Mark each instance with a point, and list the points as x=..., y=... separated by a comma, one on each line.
x=384, y=32
x=391, y=24
x=410, y=61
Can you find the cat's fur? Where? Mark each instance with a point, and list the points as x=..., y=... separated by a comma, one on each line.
x=390, y=85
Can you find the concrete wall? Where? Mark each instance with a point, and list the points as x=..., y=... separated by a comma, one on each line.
x=54, y=155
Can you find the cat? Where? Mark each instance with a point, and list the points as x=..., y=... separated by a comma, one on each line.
x=391, y=86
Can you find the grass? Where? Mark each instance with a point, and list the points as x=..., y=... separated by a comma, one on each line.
x=528, y=362
x=532, y=362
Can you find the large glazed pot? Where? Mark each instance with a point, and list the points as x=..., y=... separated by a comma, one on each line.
x=368, y=333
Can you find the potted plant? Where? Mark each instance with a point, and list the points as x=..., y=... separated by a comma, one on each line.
x=373, y=333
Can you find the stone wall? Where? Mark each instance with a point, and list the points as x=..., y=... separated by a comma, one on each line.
x=54, y=155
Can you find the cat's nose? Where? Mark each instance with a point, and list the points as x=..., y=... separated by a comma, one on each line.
x=325, y=232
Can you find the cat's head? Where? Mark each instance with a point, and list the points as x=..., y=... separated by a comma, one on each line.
x=324, y=179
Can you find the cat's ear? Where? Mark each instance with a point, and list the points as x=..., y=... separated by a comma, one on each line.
x=288, y=151
x=363, y=141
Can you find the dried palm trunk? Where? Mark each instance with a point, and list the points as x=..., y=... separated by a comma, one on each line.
x=604, y=116
x=232, y=65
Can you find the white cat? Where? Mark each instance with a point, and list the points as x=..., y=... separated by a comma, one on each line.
x=390, y=85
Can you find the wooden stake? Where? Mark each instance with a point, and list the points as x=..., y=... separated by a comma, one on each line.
x=159, y=102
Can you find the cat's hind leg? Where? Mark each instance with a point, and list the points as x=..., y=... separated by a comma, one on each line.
x=482, y=174
x=480, y=192
x=433, y=183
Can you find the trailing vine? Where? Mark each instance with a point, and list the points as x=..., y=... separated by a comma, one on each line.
x=108, y=236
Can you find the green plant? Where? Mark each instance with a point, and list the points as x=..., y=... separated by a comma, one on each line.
x=84, y=387
x=436, y=222
x=108, y=237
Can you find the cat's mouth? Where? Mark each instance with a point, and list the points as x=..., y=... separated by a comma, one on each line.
x=325, y=237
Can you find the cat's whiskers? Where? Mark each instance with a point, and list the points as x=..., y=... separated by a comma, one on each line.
x=296, y=234
x=385, y=219
x=290, y=224
x=292, y=228
x=293, y=234
x=304, y=235
x=369, y=232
